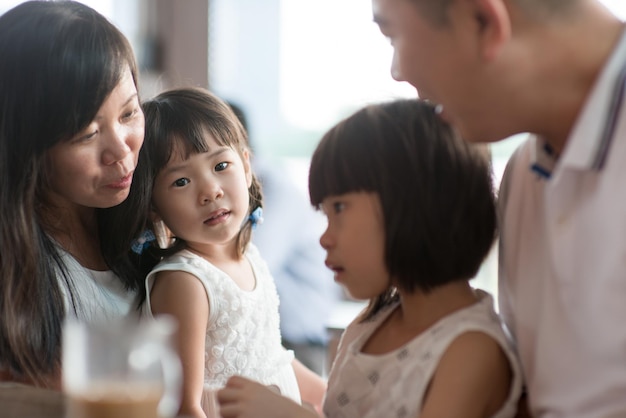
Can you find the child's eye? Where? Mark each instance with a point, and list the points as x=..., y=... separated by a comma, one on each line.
x=181, y=182
x=221, y=166
x=338, y=207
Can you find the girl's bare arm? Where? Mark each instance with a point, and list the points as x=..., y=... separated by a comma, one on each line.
x=182, y=295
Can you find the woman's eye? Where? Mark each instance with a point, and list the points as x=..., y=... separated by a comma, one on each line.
x=89, y=135
x=84, y=136
x=221, y=166
x=129, y=114
x=181, y=182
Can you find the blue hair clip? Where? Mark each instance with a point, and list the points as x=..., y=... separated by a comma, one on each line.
x=140, y=244
x=256, y=217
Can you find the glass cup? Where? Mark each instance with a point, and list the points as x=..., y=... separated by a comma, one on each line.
x=121, y=368
x=209, y=402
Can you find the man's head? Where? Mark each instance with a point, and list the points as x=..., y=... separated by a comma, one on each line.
x=467, y=55
x=437, y=11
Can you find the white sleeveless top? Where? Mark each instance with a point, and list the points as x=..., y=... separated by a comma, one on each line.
x=97, y=295
x=393, y=384
x=243, y=335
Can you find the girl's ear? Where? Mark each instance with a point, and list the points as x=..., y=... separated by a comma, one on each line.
x=154, y=216
x=494, y=26
x=162, y=232
x=245, y=157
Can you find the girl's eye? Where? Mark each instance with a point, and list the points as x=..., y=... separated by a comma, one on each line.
x=181, y=182
x=221, y=166
x=338, y=207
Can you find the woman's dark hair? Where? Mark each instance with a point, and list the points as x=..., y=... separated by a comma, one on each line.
x=59, y=62
x=435, y=189
x=179, y=120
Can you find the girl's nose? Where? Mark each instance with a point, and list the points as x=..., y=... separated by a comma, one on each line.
x=326, y=239
x=211, y=192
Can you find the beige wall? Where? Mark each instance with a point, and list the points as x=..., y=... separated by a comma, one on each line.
x=177, y=39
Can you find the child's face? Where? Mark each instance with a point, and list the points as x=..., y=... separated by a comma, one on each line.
x=204, y=199
x=354, y=242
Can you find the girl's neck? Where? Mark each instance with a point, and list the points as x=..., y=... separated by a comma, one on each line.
x=227, y=259
x=218, y=255
x=417, y=312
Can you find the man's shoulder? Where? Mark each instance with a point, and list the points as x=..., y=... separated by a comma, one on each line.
x=520, y=159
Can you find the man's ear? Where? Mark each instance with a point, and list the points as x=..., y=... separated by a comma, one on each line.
x=494, y=26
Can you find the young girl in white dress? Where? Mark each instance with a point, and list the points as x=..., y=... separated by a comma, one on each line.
x=204, y=201
x=411, y=216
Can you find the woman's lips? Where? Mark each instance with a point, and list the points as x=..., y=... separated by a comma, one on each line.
x=122, y=183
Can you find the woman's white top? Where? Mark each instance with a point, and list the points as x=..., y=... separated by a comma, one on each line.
x=96, y=295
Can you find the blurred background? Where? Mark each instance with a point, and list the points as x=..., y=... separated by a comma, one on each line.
x=294, y=67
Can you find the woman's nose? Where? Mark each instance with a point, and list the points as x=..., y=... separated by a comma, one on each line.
x=116, y=146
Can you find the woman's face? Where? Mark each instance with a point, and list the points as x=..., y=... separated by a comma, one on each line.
x=95, y=168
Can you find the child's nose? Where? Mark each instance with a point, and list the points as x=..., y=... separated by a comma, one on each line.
x=211, y=191
x=326, y=239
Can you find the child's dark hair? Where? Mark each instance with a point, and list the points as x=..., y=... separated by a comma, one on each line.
x=180, y=119
x=435, y=189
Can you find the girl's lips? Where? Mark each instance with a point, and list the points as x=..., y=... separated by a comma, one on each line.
x=217, y=217
x=122, y=183
x=334, y=268
x=338, y=274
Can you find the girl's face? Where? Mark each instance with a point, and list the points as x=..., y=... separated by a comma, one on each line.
x=354, y=241
x=204, y=199
x=95, y=168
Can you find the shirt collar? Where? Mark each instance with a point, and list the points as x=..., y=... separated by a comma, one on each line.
x=591, y=136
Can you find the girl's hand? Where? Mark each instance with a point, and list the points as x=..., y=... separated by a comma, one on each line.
x=244, y=398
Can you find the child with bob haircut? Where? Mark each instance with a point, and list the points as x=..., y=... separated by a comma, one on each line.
x=195, y=184
x=411, y=217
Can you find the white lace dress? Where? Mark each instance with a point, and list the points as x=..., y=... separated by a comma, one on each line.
x=243, y=335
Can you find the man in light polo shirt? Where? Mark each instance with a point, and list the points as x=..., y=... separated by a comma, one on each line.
x=556, y=69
